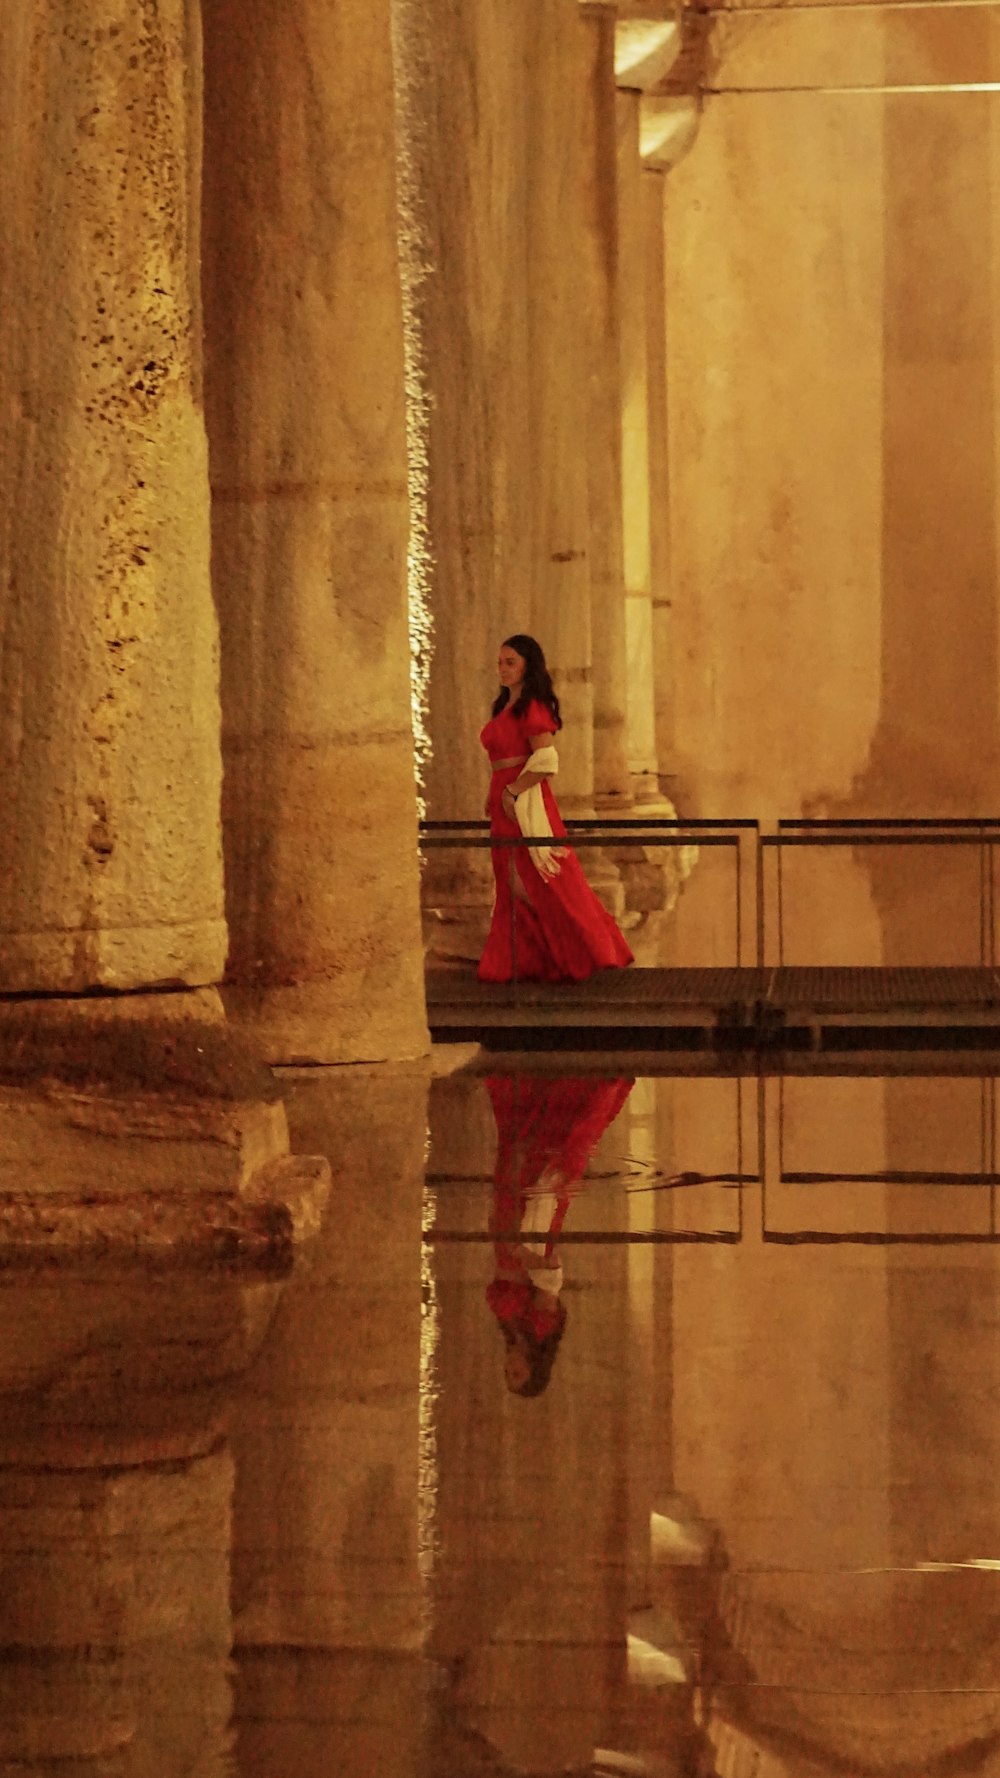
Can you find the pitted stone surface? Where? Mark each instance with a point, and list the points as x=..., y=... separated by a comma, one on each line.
x=110, y=858
x=305, y=401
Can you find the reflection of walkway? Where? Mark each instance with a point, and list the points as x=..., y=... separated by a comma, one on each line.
x=828, y=1008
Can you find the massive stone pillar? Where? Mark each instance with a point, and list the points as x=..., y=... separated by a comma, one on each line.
x=635, y=452
x=502, y=223
x=559, y=334
x=130, y=1113
x=667, y=129
x=612, y=784
x=305, y=405
x=645, y=50
x=110, y=858
x=463, y=174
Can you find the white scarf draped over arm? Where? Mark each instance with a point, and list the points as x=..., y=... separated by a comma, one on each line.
x=532, y=815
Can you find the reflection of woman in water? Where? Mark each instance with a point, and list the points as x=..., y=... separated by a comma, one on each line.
x=545, y=908
x=546, y=1133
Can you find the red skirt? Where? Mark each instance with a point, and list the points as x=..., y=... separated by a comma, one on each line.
x=554, y=927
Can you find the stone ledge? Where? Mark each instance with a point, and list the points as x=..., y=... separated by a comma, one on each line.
x=144, y=1126
x=104, y=1044
x=281, y=1210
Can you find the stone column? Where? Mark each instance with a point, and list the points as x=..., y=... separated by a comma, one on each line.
x=635, y=452
x=463, y=175
x=667, y=130
x=660, y=649
x=110, y=857
x=133, y=1115
x=559, y=333
x=612, y=784
x=305, y=406
x=645, y=52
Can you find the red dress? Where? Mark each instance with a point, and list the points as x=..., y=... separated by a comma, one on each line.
x=561, y=931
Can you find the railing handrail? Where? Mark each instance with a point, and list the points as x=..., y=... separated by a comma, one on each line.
x=674, y=824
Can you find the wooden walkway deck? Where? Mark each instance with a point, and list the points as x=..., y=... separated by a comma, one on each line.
x=820, y=1008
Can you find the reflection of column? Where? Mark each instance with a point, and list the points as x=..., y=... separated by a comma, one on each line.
x=326, y=1586
x=110, y=867
x=612, y=785
x=530, y=1586
x=643, y=1461
x=132, y=1567
x=833, y=1418
x=306, y=424
x=115, y=1500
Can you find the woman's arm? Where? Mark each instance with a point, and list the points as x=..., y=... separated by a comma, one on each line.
x=526, y=777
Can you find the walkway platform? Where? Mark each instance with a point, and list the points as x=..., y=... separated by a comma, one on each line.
x=821, y=1008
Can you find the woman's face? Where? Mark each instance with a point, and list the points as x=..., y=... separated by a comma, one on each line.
x=510, y=666
x=516, y=1365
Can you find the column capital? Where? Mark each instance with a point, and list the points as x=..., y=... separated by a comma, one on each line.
x=667, y=129
x=646, y=50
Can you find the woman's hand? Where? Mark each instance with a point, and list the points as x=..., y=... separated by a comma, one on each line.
x=507, y=802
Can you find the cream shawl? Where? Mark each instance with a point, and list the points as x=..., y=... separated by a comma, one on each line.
x=532, y=816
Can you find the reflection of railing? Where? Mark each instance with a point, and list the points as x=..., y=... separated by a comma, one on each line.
x=950, y=831
x=598, y=834
x=759, y=1136
x=773, y=1172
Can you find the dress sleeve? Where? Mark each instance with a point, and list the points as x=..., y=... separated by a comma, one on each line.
x=538, y=720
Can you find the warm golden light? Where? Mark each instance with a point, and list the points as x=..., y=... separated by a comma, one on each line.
x=413, y=267
x=645, y=50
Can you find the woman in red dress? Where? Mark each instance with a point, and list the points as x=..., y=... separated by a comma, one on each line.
x=560, y=930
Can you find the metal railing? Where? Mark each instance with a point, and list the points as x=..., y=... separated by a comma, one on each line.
x=587, y=833
x=729, y=833
x=902, y=831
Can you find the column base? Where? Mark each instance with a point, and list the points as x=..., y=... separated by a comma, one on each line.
x=456, y=901
x=653, y=876
x=599, y=862
x=142, y=1124
x=312, y=1023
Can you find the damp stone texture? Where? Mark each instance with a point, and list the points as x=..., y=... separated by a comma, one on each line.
x=463, y=170
x=612, y=784
x=110, y=855
x=306, y=421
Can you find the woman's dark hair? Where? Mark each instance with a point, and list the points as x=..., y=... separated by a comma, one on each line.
x=536, y=683
x=540, y=1352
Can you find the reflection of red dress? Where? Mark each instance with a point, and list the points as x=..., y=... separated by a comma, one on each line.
x=547, y=1130
x=563, y=934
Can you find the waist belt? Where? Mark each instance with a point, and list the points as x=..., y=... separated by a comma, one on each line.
x=501, y=765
